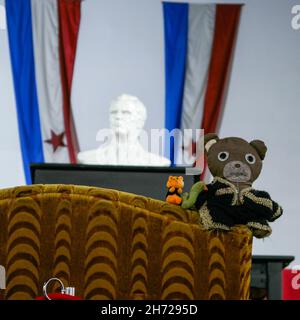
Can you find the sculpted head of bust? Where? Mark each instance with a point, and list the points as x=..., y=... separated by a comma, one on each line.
x=123, y=142
x=127, y=114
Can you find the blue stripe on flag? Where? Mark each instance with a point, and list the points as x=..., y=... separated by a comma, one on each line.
x=176, y=33
x=22, y=60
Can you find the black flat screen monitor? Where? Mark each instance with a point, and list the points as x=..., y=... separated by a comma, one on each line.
x=146, y=181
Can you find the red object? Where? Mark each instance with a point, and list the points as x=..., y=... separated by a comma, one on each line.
x=226, y=26
x=69, y=21
x=58, y=296
x=56, y=140
x=290, y=284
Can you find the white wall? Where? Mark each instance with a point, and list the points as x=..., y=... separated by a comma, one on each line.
x=121, y=50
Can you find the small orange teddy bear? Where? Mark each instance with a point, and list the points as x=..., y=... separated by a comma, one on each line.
x=175, y=185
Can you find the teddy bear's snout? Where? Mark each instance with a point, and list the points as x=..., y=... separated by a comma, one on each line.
x=237, y=171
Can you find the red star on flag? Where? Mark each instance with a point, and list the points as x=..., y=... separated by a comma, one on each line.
x=56, y=140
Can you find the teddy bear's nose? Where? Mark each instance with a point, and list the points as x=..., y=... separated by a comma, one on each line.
x=237, y=165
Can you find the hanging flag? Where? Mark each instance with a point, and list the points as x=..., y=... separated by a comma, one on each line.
x=199, y=44
x=43, y=40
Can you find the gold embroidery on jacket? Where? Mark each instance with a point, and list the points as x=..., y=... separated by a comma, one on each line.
x=278, y=212
x=260, y=226
x=207, y=219
x=261, y=201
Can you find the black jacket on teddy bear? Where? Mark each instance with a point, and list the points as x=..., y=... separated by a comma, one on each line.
x=222, y=207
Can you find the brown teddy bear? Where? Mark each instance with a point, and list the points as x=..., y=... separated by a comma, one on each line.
x=230, y=198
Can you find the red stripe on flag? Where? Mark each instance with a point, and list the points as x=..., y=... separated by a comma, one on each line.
x=69, y=21
x=226, y=26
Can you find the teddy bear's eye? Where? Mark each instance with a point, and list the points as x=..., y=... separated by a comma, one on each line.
x=250, y=158
x=223, y=156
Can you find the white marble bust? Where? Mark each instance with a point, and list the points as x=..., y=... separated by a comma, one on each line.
x=127, y=118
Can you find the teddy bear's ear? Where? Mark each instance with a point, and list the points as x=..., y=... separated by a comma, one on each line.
x=209, y=140
x=260, y=147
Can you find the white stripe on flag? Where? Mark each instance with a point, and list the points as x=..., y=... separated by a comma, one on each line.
x=200, y=38
x=45, y=28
